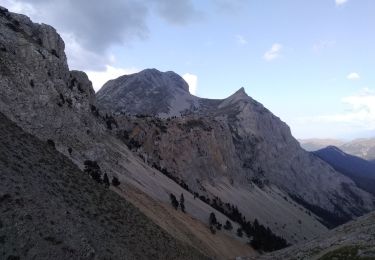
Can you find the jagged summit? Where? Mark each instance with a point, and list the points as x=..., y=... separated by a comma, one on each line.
x=153, y=92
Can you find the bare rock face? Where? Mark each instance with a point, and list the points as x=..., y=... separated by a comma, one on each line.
x=234, y=140
x=147, y=92
x=37, y=89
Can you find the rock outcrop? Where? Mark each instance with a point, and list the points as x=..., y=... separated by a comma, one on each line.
x=37, y=89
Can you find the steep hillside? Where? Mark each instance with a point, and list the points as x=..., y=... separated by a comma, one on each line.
x=354, y=240
x=44, y=98
x=234, y=142
x=52, y=210
x=362, y=172
x=186, y=149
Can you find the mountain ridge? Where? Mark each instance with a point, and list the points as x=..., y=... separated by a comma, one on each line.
x=362, y=172
x=255, y=138
x=361, y=147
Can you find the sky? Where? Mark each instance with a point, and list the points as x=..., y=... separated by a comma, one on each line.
x=310, y=62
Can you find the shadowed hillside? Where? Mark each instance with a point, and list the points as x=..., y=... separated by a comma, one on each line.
x=49, y=209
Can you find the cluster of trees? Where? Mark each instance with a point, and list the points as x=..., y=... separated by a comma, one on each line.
x=262, y=238
x=92, y=168
x=215, y=224
x=175, y=203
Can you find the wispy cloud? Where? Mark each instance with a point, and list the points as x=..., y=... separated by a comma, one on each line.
x=323, y=44
x=360, y=112
x=340, y=2
x=192, y=81
x=241, y=40
x=273, y=53
x=353, y=76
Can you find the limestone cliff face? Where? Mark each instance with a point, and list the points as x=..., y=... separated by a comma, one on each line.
x=37, y=89
x=236, y=140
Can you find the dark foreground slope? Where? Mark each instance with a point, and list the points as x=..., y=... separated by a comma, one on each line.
x=362, y=172
x=49, y=209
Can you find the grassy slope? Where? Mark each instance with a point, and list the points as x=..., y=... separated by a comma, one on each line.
x=49, y=209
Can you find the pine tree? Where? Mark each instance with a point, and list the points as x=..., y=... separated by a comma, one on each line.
x=239, y=232
x=228, y=225
x=182, y=202
x=174, y=201
x=212, y=219
x=106, y=180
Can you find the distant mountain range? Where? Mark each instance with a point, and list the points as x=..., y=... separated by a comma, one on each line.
x=362, y=172
x=363, y=147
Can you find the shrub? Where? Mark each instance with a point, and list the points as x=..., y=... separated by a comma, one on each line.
x=51, y=143
x=92, y=168
x=115, y=181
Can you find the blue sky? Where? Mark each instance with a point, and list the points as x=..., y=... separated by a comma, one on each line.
x=310, y=62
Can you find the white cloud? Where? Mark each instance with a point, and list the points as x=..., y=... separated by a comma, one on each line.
x=360, y=114
x=241, y=40
x=274, y=52
x=90, y=28
x=192, y=81
x=99, y=78
x=353, y=76
x=340, y=2
x=323, y=44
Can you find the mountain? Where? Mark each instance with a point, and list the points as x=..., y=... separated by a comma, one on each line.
x=315, y=144
x=50, y=209
x=363, y=147
x=228, y=149
x=42, y=97
x=156, y=93
x=359, y=170
x=354, y=240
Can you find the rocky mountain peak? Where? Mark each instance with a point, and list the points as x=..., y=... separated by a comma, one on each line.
x=149, y=92
x=161, y=80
